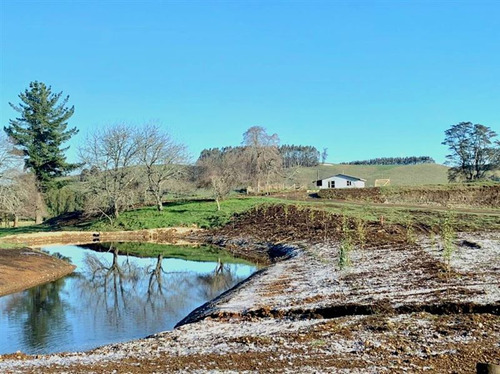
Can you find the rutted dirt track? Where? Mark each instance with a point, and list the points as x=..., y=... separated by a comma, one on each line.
x=397, y=308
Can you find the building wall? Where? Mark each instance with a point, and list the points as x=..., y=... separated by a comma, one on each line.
x=337, y=182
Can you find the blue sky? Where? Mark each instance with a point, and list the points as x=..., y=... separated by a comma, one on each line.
x=363, y=78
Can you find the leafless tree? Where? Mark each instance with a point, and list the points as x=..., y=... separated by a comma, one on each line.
x=324, y=155
x=11, y=162
x=263, y=159
x=112, y=155
x=17, y=197
x=18, y=190
x=161, y=158
x=221, y=173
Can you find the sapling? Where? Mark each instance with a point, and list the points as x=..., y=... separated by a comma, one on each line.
x=361, y=231
x=448, y=237
x=410, y=230
x=345, y=244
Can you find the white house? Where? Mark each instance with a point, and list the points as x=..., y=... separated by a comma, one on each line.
x=340, y=181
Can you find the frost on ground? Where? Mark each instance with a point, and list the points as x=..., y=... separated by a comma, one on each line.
x=396, y=308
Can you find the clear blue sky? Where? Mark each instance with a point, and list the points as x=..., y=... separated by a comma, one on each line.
x=363, y=78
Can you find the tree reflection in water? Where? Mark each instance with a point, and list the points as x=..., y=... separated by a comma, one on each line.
x=127, y=290
x=213, y=284
x=43, y=314
x=110, y=298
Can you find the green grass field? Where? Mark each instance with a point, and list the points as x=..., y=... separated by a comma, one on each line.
x=198, y=213
x=400, y=175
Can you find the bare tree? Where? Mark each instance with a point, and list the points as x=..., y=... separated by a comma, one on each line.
x=162, y=158
x=10, y=160
x=112, y=155
x=324, y=155
x=16, y=196
x=18, y=190
x=263, y=157
x=221, y=173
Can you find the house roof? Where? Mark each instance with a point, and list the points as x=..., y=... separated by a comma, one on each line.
x=345, y=176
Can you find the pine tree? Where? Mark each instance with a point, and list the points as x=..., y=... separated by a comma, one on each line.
x=40, y=131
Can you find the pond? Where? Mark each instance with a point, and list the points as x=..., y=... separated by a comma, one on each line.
x=113, y=298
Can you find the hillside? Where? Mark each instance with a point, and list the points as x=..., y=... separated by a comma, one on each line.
x=400, y=175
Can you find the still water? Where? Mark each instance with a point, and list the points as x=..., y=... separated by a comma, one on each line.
x=110, y=298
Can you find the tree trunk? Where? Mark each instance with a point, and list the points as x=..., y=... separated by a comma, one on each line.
x=116, y=212
x=16, y=221
x=159, y=204
x=38, y=208
x=218, y=203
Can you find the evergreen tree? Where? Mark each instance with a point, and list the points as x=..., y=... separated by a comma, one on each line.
x=40, y=131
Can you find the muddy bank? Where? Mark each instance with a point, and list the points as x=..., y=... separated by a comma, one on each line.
x=24, y=268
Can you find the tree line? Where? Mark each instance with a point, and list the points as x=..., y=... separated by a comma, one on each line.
x=291, y=155
x=411, y=160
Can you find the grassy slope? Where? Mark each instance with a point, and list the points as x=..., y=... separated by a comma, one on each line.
x=180, y=213
x=400, y=175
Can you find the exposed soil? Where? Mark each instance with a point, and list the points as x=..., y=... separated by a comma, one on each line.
x=174, y=235
x=398, y=307
x=24, y=268
x=458, y=196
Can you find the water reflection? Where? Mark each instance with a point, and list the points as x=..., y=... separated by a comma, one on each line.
x=216, y=282
x=110, y=298
x=40, y=312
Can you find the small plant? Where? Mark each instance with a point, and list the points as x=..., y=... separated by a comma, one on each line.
x=346, y=245
x=361, y=231
x=448, y=237
x=411, y=237
x=433, y=241
x=285, y=211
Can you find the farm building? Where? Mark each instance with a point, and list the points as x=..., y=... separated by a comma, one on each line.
x=340, y=181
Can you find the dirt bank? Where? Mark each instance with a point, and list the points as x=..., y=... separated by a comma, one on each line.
x=396, y=308
x=24, y=268
x=466, y=196
x=174, y=235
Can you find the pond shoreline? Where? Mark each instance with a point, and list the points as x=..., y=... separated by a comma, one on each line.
x=23, y=268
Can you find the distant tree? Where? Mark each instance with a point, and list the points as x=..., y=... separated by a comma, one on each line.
x=262, y=155
x=112, y=156
x=16, y=196
x=10, y=160
x=324, y=155
x=162, y=158
x=39, y=133
x=221, y=172
x=298, y=155
x=474, y=151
